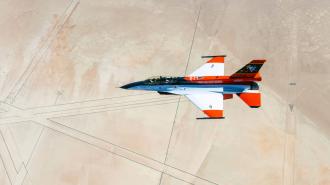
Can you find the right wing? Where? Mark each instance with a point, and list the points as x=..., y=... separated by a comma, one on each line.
x=209, y=102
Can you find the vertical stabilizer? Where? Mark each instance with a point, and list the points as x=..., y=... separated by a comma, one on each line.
x=250, y=70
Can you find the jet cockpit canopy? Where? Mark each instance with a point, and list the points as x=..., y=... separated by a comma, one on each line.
x=161, y=80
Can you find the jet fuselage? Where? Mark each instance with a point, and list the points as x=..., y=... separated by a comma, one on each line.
x=187, y=85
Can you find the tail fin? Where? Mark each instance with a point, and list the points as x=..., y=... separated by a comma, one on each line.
x=250, y=70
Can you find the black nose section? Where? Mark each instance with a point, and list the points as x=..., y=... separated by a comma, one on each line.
x=127, y=86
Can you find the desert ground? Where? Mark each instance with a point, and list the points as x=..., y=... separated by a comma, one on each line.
x=64, y=121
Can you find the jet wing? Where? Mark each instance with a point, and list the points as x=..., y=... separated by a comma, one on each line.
x=209, y=102
x=213, y=67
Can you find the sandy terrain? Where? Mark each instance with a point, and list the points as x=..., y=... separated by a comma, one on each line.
x=64, y=121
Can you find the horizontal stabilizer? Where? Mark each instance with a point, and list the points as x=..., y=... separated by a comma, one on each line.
x=252, y=99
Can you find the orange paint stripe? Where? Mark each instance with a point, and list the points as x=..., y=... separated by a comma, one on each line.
x=214, y=113
x=219, y=59
x=205, y=78
x=258, y=77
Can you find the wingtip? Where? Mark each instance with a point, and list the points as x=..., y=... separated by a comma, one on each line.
x=211, y=56
x=201, y=118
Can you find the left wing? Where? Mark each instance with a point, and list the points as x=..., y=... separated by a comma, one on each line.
x=209, y=102
x=213, y=67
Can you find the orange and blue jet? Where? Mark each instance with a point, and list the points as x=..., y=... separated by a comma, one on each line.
x=207, y=87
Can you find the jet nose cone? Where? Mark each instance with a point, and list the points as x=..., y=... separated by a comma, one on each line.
x=125, y=86
x=131, y=85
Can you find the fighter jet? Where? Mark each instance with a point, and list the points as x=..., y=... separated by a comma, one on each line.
x=207, y=87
